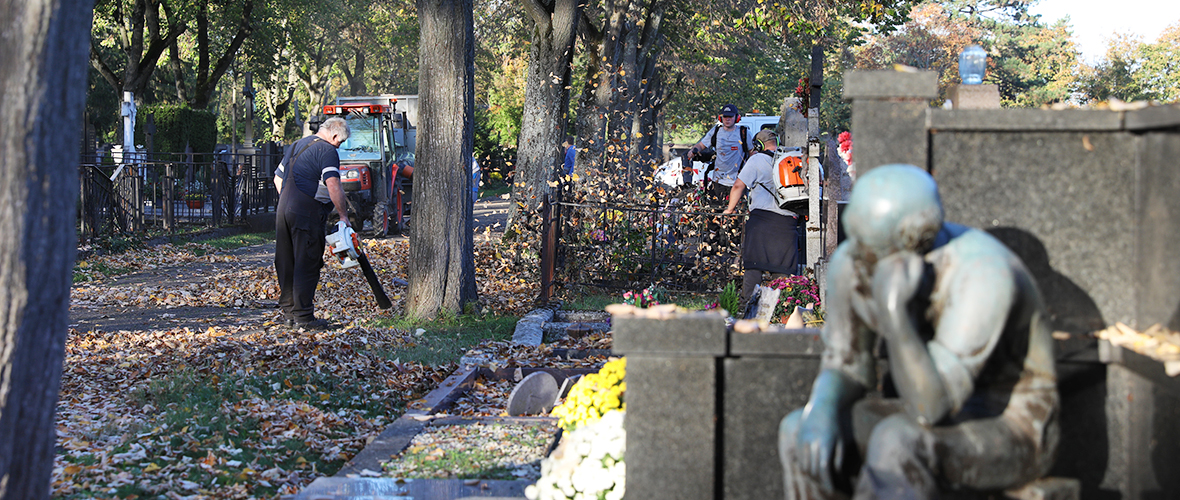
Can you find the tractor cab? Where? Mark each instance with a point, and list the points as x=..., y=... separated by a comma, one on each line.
x=373, y=172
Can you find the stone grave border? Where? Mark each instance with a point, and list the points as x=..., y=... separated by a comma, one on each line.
x=418, y=416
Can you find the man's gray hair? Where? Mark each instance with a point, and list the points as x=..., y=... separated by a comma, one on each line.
x=337, y=125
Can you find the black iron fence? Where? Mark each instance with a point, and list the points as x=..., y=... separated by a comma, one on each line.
x=677, y=246
x=126, y=194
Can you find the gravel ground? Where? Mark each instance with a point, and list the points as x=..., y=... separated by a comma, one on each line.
x=475, y=451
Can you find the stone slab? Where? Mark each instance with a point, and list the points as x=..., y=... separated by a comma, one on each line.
x=1067, y=210
x=889, y=132
x=671, y=428
x=581, y=316
x=530, y=327
x=686, y=334
x=1157, y=267
x=553, y=331
x=339, y=488
x=889, y=84
x=1142, y=432
x=974, y=96
x=777, y=342
x=1154, y=117
x=758, y=393
x=447, y=392
x=1033, y=120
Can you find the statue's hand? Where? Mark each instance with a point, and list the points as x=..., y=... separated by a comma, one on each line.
x=896, y=280
x=820, y=447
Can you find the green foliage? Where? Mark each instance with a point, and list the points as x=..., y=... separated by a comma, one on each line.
x=488, y=147
x=1135, y=70
x=729, y=300
x=1032, y=64
x=177, y=126
x=819, y=19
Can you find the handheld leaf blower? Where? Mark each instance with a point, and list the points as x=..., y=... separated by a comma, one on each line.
x=345, y=245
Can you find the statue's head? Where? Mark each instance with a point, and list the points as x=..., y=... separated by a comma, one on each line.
x=894, y=208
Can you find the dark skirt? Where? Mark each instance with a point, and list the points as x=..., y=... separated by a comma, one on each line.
x=770, y=243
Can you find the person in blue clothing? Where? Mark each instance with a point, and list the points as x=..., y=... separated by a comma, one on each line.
x=570, y=153
x=308, y=181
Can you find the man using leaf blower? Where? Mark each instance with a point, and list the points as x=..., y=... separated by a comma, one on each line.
x=301, y=215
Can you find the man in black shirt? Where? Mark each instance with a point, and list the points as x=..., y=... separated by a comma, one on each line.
x=308, y=181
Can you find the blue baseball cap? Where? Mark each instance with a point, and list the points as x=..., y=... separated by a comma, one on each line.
x=729, y=110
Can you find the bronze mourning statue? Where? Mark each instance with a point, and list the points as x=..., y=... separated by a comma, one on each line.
x=969, y=398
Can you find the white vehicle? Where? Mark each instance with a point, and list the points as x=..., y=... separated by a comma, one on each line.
x=758, y=123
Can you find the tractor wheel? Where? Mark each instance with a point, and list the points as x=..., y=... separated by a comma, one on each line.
x=380, y=221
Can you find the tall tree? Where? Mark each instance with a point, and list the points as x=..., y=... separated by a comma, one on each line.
x=546, y=100
x=210, y=37
x=43, y=77
x=1032, y=64
x=442, y=248
x=1134, y=70
x=137, y=32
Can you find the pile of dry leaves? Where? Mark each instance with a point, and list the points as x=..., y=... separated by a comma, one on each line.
x=135, y=417
x=243, y=411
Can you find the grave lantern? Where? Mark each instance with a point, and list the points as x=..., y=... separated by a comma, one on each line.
x=972, y=65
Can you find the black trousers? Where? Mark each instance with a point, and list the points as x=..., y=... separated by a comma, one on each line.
x=299, y=253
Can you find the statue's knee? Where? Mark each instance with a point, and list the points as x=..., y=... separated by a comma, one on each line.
x=895, y=436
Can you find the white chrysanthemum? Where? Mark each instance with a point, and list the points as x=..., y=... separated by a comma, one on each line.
x=588, y=462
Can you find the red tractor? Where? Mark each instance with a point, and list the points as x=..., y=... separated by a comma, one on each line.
x=376, y=162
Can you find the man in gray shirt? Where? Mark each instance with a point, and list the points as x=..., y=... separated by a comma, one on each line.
x=733, y=143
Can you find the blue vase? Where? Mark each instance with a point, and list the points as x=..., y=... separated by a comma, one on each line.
x=972, y=65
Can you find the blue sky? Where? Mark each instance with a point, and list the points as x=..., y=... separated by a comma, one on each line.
x=1093, y=21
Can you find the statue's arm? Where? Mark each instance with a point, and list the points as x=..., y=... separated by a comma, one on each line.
x=918, y=381
x=934, y=378
x=972, y=322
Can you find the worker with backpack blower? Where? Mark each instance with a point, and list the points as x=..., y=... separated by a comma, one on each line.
x=732, y=143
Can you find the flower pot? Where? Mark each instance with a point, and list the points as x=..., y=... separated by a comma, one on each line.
x=195, y=204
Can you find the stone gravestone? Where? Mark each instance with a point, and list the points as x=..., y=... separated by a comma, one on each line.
x=535, y=394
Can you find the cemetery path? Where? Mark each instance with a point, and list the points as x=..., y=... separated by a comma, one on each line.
x=253, y=262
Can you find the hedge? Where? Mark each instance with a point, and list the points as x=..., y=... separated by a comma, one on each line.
x=176, y=126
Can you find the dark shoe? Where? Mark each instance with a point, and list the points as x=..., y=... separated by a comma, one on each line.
x=318, y=325
x=286, y=319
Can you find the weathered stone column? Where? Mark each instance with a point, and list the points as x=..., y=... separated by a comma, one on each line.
x=671, y=396
x=889, y=116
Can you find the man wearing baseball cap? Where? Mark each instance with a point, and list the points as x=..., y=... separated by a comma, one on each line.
x=733, y=143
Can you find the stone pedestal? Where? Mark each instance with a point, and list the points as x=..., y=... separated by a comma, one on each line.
x=889, y=116
x=974, y=97
x=704, y=404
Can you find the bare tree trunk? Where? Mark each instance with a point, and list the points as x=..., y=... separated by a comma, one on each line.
x=356, y=78
x=546, y=102
x=207, y=77
x=442, y=248
x=43, y=56
x=623, y=97
x=592, y=108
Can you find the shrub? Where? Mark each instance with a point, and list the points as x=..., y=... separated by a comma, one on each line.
x=729, y=300
x=178, y=125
